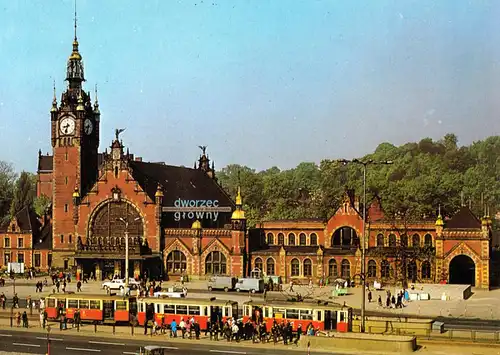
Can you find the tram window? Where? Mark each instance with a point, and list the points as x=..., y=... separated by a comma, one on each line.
x=235, y=311
x=95, y=304
x=141, y=307
x=83, y=304
x=227, y=312
x=205, y=311
x=318, y=317
x=279, y=312
x=292, y=313
x=266, y=312
x=169, y=309
x=341, y=317
x=72, y=303
x=181, y=309
x=51, y=302
x=194, y=310
x=306, y=314
x=121, y=305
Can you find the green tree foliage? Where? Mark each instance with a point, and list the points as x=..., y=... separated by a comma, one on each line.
x=7, y=179
x=40, y=204
x=24, y=193
x=424, y=175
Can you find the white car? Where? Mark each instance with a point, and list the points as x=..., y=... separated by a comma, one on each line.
x=119, y=284
x=171, y=292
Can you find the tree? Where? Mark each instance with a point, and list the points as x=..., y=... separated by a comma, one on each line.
x=24, y=193
x=7, y=179
x=40, y=204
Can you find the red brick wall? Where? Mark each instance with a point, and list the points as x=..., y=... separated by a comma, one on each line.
x=44, y=184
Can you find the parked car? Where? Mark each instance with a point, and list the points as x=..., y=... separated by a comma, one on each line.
x=173, y=292
x=225, y=283
x=119, y=284
x=250, y=284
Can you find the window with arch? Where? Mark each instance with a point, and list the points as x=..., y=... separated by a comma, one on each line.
x=270, y=238
x=345, y=236
x=313, y=239
x=428, y=240
x=215, y=263
x=176, y=262
x=345, y=269
x=415, y=240
x=426, y=270
x=258, y=263
x=281, y=239
x=302, y=239
x=307, y=267
x=385, y=269
x=392, y=240
x=295, y=267
x=332, y=268
x=372, y=268
x=380, y=240
x=291, y=239
x=403, y=240
x=412, y=271
x=270, y=266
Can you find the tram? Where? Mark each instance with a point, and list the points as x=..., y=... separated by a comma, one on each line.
x=100, y=308
x=165, y=310
x=322, y=315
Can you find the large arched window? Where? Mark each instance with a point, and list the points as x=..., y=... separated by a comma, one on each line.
x=428, y=240
x=176, y=262
x=313, y=239
x=295, y=268
x=332, y=268
x=258, y=264
x=345, y=236
x=412, y=271
x=380, y=240
x=403, y=240
x=215, y=263
x=270, y=238
x=302, y=239
x=415, y=241
x=385, y=269
x=307, y=267
x=107, y=222
x=345, y=269
x=426, y=270
x=281, y=239
x=392, y=240
x=291, y=239
x=372, y=268
x=270, y=266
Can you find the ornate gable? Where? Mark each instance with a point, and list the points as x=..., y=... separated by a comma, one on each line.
x=462, y=249
x=216, y=245
x=177, y=244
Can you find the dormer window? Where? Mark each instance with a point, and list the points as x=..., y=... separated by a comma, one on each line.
x=13, y=228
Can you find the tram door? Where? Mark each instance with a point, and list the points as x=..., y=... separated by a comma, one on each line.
x=108, y=309
x=215, y=314
x=330, y=320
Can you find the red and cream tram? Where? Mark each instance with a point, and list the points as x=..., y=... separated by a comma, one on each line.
x=203, y=310
x=323, y=316
x=101, y=308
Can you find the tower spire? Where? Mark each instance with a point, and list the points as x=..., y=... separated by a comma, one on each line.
x=75, y=22
x=74, y=73
x=54, y=99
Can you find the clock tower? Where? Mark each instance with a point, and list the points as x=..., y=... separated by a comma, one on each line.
x=75, y=142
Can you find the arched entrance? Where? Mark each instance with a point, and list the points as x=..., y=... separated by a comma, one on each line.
x=462, y=270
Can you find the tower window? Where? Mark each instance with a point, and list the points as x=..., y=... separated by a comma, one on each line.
x=66, y=207
x=62, y=238
x=66, y=180
x=116, y=172
x=69, y=239
x=66, y=155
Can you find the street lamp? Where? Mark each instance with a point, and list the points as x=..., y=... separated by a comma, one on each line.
x=363, y=246
x=126, y=249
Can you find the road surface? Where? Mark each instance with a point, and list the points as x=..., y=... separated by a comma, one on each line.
x=36, y=343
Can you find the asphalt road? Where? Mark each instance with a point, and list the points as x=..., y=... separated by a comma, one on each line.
x=36, y=343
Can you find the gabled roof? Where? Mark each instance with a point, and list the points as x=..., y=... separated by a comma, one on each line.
x=178, y=182
x=27, y=221
x=463, y=219
x=45, y=163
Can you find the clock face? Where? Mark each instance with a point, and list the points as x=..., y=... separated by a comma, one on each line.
x=88, y=127
x=67, y=125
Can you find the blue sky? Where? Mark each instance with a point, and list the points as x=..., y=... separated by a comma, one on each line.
x=261, y=83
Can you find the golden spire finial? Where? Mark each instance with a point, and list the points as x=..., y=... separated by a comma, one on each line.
x=54, y=100
x=238, y=197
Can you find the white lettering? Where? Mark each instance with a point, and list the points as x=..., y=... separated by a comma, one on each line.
x=200, y=215
x=177, y=203
x=192, y=203
x=190, y=215
x=177, y=216
x=216, y=203
x=216, y=214
x=209, y=203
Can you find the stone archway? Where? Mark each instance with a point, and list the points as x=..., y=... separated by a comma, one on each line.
x=462, y=270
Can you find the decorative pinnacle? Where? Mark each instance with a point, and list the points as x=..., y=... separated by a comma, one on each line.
x=96, y=102
x=54, y=100
x=80, y=106
x=75, y=22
